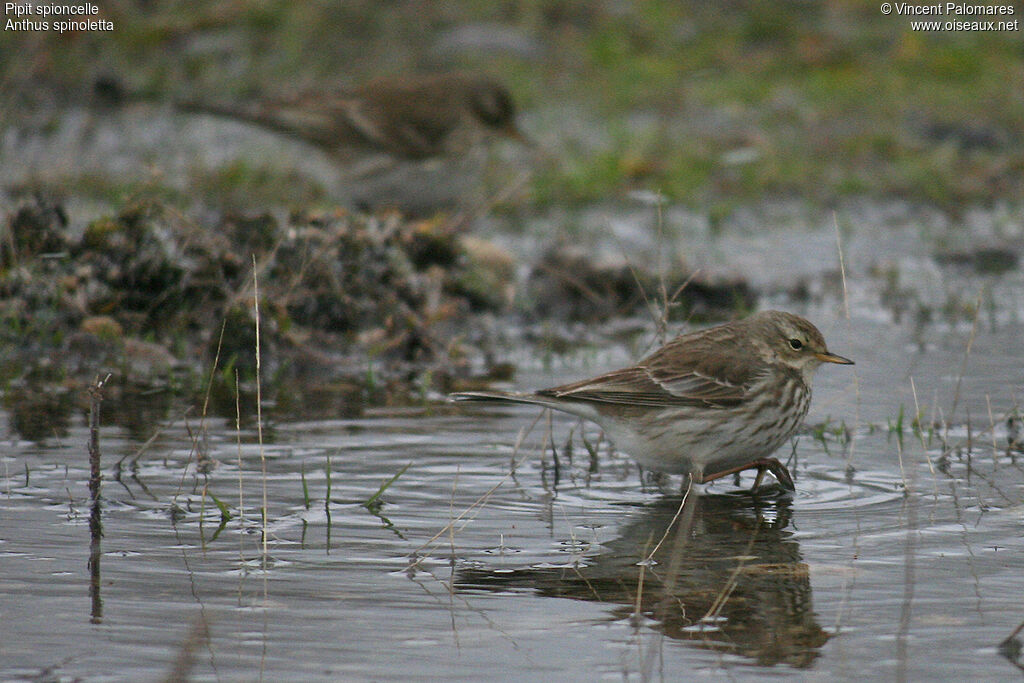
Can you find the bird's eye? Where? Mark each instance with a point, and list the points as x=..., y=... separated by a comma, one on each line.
x=796, y=344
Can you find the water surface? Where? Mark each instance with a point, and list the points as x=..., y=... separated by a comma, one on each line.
x=897, y=558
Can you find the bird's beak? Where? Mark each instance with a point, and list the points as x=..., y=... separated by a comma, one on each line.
x=828, y=357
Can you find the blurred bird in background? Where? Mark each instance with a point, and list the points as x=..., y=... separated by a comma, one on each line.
x=423, y=122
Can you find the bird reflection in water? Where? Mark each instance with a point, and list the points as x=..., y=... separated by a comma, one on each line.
x=728, y=577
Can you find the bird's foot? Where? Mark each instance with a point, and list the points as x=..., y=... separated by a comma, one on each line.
x=778, y=471
x=763, y=465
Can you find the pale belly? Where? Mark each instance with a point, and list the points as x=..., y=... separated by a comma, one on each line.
x=705, y=446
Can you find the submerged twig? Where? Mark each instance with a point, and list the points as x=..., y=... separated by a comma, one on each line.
x=95, y=515
x=95, y=398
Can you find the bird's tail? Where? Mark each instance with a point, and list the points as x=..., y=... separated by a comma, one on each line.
x=515, y=397
x=578, y=408
x=500, y=396
x=111, y=91
x=255, y=114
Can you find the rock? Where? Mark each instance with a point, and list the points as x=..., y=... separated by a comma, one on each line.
x=993, y=260
x=486, y=38
x=487, y=275
x=568, y=284
x=145, y=361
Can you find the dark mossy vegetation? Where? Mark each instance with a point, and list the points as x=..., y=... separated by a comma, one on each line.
x=368, y=308
x=148, y=294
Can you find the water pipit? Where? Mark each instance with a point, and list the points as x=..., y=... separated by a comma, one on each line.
x=409, y=118
x=708, y=404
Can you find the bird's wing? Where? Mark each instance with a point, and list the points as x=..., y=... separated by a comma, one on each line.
x=365, y=121
x=421, y=138
x=693, y=370
x=694, y=387
x=647, y=387
x=336, y=120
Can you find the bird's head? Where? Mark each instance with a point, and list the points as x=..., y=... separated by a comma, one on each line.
x=795, y=342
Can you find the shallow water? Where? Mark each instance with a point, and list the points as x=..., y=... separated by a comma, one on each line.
x=895, y=559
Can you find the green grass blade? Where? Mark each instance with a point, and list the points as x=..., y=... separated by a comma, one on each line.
x=373, y=500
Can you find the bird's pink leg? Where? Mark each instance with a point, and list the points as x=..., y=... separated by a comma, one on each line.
x=763, y=465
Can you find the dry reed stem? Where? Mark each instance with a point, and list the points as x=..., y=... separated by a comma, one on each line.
x=213, y=371
x=682, y=504
x=842, y=266
x=241, y=496
x=967, y=353
x=484, y=207
x=451, y=545
x=670, y=601
x=846, y=313
x=478, y=502
x=988, y=432
x=134, y=457
x=899, y=455
x=662, y=288
x=263, y=462
x=451, y=512
x=660, y=318
x=992, y=428
x=640, y=579
x=920, y=437
x=259, y=405
x=730, y=585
